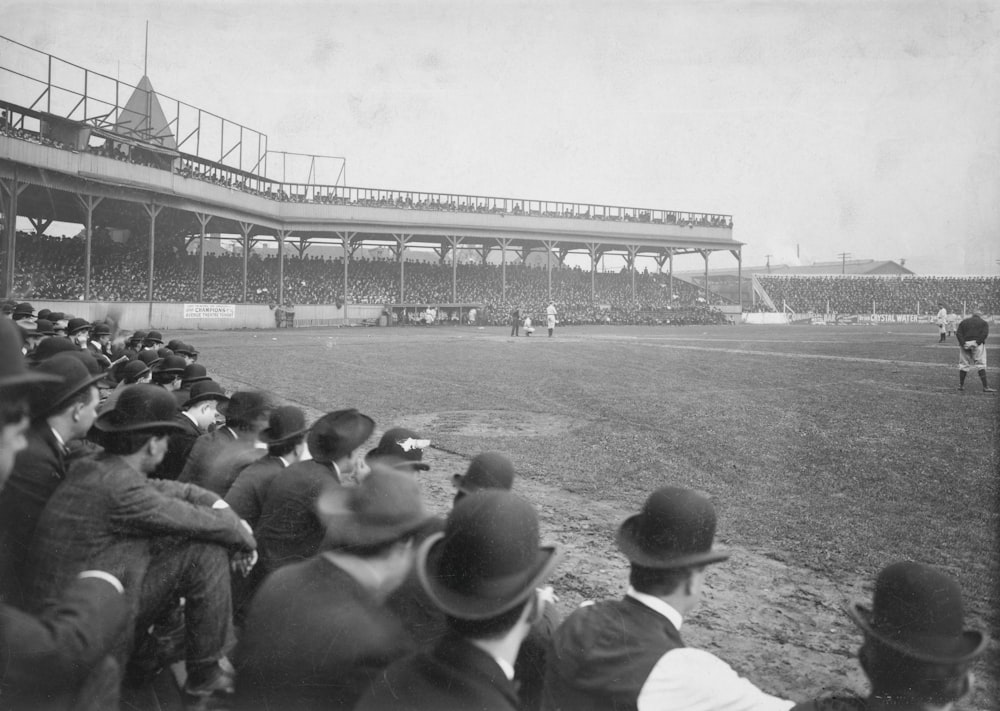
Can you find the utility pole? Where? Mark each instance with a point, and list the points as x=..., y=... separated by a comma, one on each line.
x=768, y=257
x=843, y=261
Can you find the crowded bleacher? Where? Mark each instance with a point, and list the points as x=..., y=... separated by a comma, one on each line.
x=906, y=294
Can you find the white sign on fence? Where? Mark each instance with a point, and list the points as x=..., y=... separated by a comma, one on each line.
x=209, y=311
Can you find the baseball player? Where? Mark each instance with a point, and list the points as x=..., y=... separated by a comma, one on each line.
x=972, y=334
x=942, y=321
x=550, y=318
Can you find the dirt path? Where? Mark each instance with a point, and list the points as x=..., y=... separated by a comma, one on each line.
x=783, y=627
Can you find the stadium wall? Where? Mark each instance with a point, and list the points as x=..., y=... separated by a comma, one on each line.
x=206, y=317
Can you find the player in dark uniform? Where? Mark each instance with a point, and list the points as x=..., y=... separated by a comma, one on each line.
x=972, y=334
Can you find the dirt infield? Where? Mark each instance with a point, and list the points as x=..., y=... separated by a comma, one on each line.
x=774, y=611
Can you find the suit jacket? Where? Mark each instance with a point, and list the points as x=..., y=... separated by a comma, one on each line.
x=38, y=470
x=46, y=660
x=314, y=639
x=216, y=459
x=289, y=530
x=178, y=448
x=248, y=492
x=104, y=517
x=455, y=676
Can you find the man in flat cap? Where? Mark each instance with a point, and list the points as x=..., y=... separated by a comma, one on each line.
x=167, y=540
x=62, y=411
x=629, y=653
x=318, y=634
x=484, y=573
x=58, y=658
x=218, y=457
x=917, y=652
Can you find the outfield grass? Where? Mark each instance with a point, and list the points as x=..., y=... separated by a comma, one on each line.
x=835, y=448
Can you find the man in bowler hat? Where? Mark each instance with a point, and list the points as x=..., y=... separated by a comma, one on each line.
x=59, y=657
x=483, y=572
x=166, y=540
x=628, y=653
x=62, y=411
x=218, y=457
x=318, y=633
x=916, y=652
x=194, y=419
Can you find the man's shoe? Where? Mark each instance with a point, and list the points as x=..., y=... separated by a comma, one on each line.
x=989, y=390
x=961, y=387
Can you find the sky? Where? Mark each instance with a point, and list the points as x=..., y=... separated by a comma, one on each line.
x=822, y=126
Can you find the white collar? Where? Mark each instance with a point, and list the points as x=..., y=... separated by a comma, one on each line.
x=188, y=415
x=657, y=604
x=284, y=462
x=505, y=666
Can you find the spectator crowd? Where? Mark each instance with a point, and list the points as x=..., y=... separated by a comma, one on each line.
x=166, y=544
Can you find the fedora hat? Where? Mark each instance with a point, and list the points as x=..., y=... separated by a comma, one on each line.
x=489, y=470
x=76, y=325
x=336, y=434
x=384, y=507
x=246, y=405
x=675, y=529
x=140, y=408
x=134, y=370
x=194, y=373
x=404, y=446
x=206, y=390
x=72, y=378
x=14, y=375
x=285, y=423
x=487, y=560
x=918, y=611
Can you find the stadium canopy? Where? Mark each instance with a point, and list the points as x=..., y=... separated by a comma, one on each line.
x=143, y=119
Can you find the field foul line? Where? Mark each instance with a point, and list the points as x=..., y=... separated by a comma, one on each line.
x=808, y=356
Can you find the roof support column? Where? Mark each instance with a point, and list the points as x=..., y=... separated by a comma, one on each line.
x=738, y=253
x=89, y=203
x=152, y=210
x=594, y=249
x=245, y=228
x=454, y=242
x=670, y=254
x=203, y=220
x=401, y=241
x=281, y=236
x=504, y=244
x=704, y=254
x=40, y=224
x=345, y=242
x=11, y=189
x=633, y=251
x=549, y=246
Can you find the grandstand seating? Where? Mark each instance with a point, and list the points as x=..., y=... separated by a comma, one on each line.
x=861, y=294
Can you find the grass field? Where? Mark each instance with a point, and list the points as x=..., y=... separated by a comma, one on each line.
x=832, y=449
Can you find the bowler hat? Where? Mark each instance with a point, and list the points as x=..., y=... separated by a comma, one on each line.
x=284, y=424
x=194, y=373
x=206, y=390
x=23, y=310
x=137, y=336
x=72, y=378
x=675, y=529
x=49, y=347
x=88, y=360
x=43, y=327
x=150, y=358
x=336, y=434
x=918, y=611
x=163, y=352
x=140, y=408
x=173, y=343
x=385, y=506
x=43, y=313
x=171, y=364
x=402, y=444
x=185, y=349
x=246, y=405
x=101, y=329
x=14, y=375
x=489, y=470
x=8, y=306
x=488, y=560
x=153, y=337
x=76, y=325
x=134, y=370
x=56, y=316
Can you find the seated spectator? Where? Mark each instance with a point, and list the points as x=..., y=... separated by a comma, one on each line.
x=218, y=457
x=629, y=653
x=916, y=653
x=193, y=420
x=59, y=658
x=483, y=572
x=318, y=634
x=166, y=540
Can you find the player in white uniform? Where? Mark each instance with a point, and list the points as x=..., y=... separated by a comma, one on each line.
x=942, y=321
x=550, y=318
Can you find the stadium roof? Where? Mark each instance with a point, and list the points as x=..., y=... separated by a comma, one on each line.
x=851, y=266
x=143, y=117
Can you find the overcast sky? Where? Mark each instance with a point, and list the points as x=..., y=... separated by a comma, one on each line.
x=823, y=127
